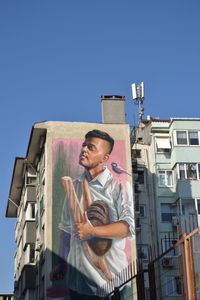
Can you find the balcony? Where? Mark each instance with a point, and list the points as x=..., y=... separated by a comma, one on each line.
x=188, y=188
x=29, y=233
x=28, y=277
x=29, y=254
x=30, y=195
x=188, y=217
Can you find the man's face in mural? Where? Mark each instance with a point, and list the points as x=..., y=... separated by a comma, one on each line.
x=94, y=152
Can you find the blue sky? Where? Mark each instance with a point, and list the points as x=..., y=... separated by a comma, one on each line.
x=58, y=57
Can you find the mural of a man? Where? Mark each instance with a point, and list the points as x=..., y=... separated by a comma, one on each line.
x=88, y=269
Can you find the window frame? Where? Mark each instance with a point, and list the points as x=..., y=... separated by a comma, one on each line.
x=176, y=140
x=136, y=153
x=165, y=247
x=197, y=165
x=173, y=281
x=162, y=150
x=187, y=137
x=138, y=206
x=140, y=186
x=170, y=205
x=189, y=131
x=30, y=211
x=146, y=252
x=165, y=178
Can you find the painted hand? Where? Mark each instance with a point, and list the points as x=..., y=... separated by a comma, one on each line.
x=84, y=230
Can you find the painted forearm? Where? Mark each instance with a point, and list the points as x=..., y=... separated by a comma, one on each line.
x=115, y=230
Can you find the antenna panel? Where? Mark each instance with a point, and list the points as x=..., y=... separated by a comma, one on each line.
x=134, y=92
x=142, y=89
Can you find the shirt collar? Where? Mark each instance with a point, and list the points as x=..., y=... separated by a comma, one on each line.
x=102, y=178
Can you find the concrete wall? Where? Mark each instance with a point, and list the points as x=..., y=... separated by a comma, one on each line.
x=62, y=131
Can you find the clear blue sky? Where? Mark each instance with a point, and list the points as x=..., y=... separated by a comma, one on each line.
x=58, y=57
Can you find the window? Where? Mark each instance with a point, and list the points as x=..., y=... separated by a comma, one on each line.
x=167, y=212
x=190, y=171
x=143, y=252
x=165, y=178
x=30, y=176
x=141, y=209
x=136, y=153
x=30, y=254
x=30, y=211
x=181, y=137
x=140, y=177
x=185, y=137
x=163, y=144
x=173, y=286
x=31, y=180
x=182, y=173
x=167, y=244
x=193, y=138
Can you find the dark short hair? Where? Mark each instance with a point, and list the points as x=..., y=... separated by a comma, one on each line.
x=101, y=135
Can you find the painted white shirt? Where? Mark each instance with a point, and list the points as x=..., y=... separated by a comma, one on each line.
x=82, y=276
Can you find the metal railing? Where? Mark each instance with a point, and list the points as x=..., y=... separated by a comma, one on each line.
x=175, y=274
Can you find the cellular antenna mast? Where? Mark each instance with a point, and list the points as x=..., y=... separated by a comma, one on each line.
x=138, y=98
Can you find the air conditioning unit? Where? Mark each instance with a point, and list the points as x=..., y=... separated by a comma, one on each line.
x=167, y=262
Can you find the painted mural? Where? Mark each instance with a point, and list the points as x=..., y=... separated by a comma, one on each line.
x=93, y=219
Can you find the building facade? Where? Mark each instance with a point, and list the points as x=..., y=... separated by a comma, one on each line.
x=37, y=199
x=166, y=178
x=166, y=165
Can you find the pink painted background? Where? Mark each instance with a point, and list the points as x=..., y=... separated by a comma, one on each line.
x=65, y=157
x=72, y=155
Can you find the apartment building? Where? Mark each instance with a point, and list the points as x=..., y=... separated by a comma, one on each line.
x=26, y=204
x=166, y=174
x=37, y=199
x=166, y=168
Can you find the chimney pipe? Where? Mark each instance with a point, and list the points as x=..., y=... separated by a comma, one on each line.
x=113, y=109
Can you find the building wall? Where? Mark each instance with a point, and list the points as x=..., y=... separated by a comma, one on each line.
x=64, y=142
x=168, y=201
x=45, y=196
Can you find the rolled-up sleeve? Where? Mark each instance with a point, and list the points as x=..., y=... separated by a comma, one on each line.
x=64, y=224
x=124, y=205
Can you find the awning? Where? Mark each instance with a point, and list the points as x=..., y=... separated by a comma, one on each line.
x=163, y=143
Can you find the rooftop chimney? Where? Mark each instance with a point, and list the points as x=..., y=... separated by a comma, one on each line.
x=113, y=109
